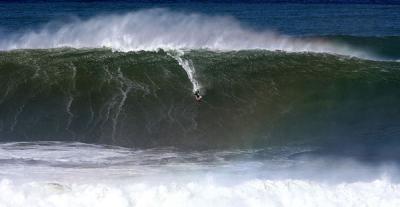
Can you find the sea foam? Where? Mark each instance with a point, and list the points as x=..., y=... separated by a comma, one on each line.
x=200, y=193
x=45, y=174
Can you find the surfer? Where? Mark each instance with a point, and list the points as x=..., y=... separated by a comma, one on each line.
x=198, y=96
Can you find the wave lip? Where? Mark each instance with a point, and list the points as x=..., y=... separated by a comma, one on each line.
x=155, y=29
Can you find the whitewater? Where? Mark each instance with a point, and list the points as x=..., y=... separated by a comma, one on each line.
x=44, y=174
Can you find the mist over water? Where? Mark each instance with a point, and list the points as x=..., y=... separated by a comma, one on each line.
x=162, y=29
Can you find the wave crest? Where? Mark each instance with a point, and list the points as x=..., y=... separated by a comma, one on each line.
x=163, y=29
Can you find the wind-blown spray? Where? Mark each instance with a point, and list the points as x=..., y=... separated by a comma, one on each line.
x=162, y=29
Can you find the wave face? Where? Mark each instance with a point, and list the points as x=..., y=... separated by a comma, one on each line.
x=161, y=29
x=251, y=98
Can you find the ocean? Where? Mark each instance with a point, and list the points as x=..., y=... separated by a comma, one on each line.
x=300, y=103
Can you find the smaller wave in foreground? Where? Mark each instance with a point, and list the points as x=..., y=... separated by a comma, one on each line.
x=94, y=175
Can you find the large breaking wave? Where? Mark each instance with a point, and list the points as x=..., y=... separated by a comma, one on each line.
x=251, y=98
x=58, y=82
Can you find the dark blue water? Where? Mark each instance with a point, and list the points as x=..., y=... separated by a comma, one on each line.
x=287, y=18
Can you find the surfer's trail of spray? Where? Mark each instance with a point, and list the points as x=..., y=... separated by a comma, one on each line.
x=187, y=65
